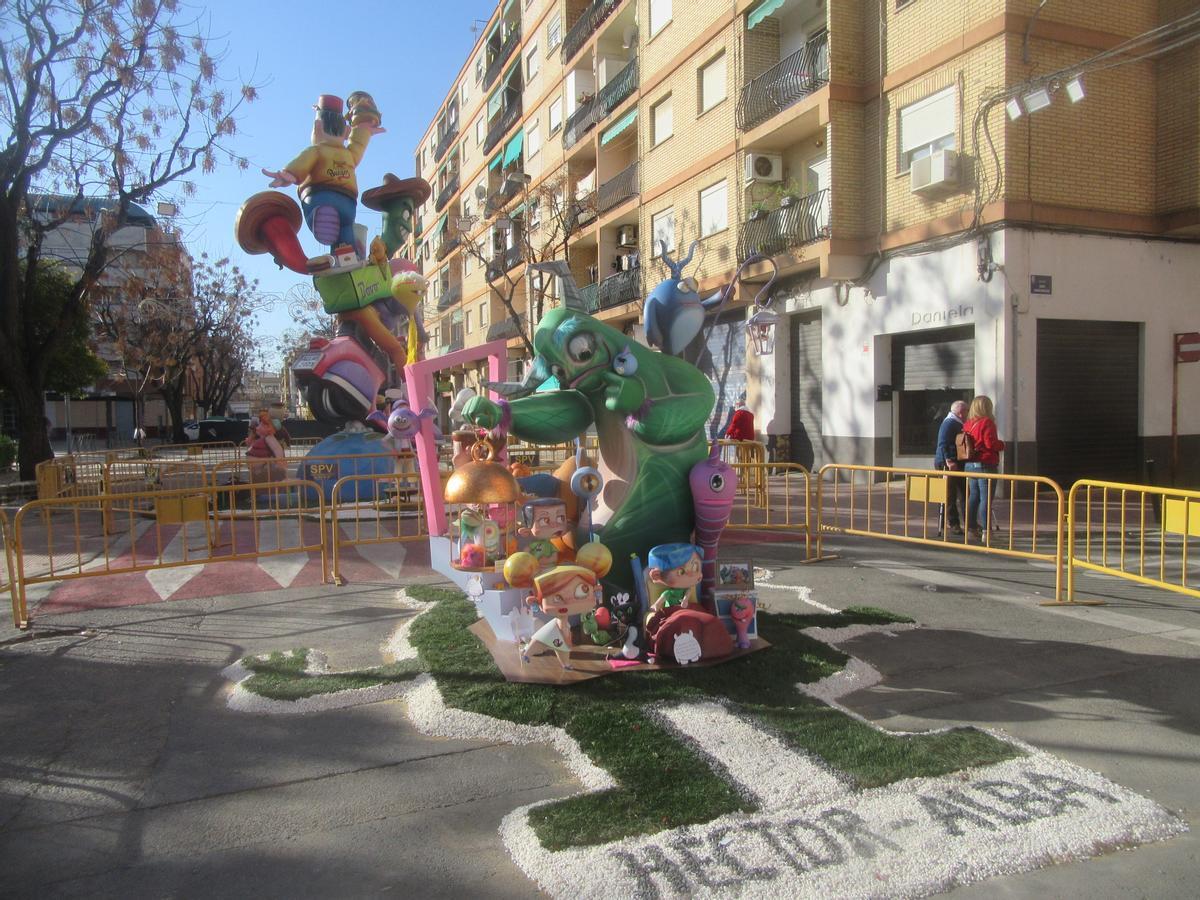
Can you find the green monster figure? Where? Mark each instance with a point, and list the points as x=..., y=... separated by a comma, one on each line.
x=649, y=410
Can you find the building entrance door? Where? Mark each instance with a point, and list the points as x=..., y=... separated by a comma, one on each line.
x=806, y=389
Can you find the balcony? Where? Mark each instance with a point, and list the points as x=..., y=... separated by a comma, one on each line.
x=590, y=295
x=801, y=222
x=501, y=57
x=618, y=189
x=507, y=329
x=456, y=343
x=609, y=97
x=448, y=245
x=581, y=212
x=450, y=296
x=504, y=261
x=619, y=288
x=593, y=17
x=506, y=120
x=445, y=142
x=510, y=186
x=446, y=193
x=784, y=84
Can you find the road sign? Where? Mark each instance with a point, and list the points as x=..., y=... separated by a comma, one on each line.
x=1187, y=347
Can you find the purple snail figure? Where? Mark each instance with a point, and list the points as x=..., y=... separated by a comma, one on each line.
x=714, y=485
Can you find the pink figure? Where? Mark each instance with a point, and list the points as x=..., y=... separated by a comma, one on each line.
x=714, y=484
x=741, y=610
x=265, y=447
x=472, y=557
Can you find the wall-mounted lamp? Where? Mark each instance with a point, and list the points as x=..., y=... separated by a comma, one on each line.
x=1014, y=108
x=761, y=326
x=1075, y=89
x=1036, y=99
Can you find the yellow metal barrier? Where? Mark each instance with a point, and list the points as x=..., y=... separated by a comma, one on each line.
x=1136, y=532
x=783, y=503
x=9, y=580
x=375, y=509
x=905, y=505
x=70, y=476
x=245, y=469
x=208, y=452
x=85, y=537
x=754, y=453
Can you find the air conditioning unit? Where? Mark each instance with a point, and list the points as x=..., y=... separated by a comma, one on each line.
x=935, y=173
x=627, y=236
x=764, y=167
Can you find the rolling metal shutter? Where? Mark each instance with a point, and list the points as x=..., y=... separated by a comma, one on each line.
x=723, y=360
x=1087, y=400
x=934, y=361
x=806, y=390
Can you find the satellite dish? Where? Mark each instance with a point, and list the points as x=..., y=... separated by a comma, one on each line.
x=480, y=192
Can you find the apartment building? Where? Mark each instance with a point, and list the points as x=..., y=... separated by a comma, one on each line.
x=955, y=197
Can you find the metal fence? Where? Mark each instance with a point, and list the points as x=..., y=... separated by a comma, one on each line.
x=374, y=509
x=788, y=82
x=1149, y=535
x=800, y=222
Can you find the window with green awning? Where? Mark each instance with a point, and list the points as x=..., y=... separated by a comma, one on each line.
x=513, y=150
x=620, y=125
x=761, y=11
x=495, y=162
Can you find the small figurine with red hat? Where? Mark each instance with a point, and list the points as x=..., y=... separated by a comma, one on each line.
x=324, y=172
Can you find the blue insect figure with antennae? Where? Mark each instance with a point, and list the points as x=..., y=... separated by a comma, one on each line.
x=674, y=313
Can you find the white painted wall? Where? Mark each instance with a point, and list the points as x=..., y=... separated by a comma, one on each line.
x=1156, y=283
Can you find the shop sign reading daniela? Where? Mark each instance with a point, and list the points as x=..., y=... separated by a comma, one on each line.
x=953, y=314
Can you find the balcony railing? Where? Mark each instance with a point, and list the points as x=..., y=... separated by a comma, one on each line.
x=801, y=222
x=501, y=57
x=456, y=343
x=591, y=297
x=587, y=24
x=506, y=120
x=507, y=328
x=509, y=188
x=619, y=87
x=450, y=296
x=784, y=84
x=503, y=262
x=446, y=193
x=581, y=212
x=618, y=189
x=445, y=142
x=619, y=288
x=446, y=247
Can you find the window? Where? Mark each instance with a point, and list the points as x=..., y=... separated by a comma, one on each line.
x=660, y=121
x=479, y=131
x=467, y=320
x=553, y=33
x=467, y=260
x=712, y=83
x=662, y=226
x=660, y=15
x=556, y=115
x=479, y=69
x=465, y=95
x=532, y=61
x=483, y=314
x=533, y=138
x=927, y=126
x=714, y=208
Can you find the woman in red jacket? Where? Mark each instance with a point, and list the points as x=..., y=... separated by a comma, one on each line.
x=981, y=426
x=741, y=424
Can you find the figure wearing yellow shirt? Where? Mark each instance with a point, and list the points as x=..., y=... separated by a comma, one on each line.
x=324, y=172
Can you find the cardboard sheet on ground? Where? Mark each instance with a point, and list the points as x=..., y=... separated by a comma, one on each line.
x=588, y=661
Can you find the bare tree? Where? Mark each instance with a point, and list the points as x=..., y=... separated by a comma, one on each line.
x=540, y=234
x=111, y=98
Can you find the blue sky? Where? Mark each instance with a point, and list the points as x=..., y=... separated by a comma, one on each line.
x=402, y=53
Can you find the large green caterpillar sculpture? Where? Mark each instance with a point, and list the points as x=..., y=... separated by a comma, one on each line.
x=649, y=410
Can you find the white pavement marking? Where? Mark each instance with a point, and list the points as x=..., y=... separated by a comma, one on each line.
x=1099, y=616
x=773, y=774
x=802, y=592
x=120, y=546
x=167, y=581
x=389, y=557
x=281, y=534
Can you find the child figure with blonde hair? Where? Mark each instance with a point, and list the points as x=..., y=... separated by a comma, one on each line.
x=562, y=592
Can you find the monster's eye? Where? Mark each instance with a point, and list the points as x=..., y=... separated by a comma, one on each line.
x=582, y=591
x=717, y=483
x=582, y=347
x=558, y=372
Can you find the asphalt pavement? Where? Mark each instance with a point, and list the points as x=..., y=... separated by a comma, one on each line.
x=125, y=774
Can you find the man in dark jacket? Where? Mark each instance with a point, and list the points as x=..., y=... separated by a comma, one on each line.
x=945, y=458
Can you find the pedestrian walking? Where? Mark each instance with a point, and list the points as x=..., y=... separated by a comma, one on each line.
x=986, y=446
x=945, y=459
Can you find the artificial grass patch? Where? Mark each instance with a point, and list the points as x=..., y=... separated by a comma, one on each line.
x=281, y=676
x=663, y=782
